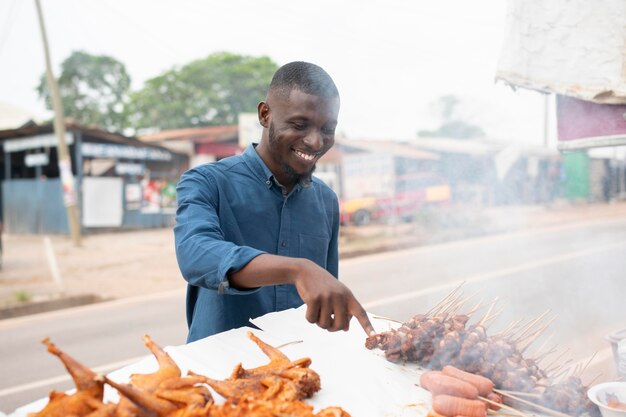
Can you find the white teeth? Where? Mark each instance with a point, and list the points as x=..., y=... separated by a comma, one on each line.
x=308, y=157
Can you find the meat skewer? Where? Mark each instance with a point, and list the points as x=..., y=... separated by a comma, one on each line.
x=483, y=385
x=504, y=406
x=448, y=405
x=530, y=403
x=438, y=383
x=444, y=337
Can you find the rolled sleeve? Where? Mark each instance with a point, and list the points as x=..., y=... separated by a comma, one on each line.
x=236, y=259
x=204, y=257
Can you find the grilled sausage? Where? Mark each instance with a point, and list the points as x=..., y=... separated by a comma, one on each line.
x=484, y=385
x=450, y=406
x=496, y=399
x=438, y=383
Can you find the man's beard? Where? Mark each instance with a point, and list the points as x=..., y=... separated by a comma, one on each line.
x=303, y=179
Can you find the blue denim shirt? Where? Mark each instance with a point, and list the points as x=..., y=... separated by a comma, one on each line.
x=228, y=213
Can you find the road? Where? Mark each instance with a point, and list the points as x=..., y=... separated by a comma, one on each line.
x=576, y=271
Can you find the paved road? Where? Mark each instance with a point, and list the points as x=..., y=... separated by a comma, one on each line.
x=576, y=271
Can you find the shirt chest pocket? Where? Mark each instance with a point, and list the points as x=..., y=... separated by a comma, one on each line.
x=314, y=248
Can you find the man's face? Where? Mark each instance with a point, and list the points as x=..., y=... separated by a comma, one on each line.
x=301, y=129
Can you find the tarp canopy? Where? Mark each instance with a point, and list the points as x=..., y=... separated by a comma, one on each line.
x=574, y=48
x=577, y=50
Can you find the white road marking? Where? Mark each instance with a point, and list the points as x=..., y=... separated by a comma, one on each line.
x=493, y=274
x=52, y=263
x=62, y=378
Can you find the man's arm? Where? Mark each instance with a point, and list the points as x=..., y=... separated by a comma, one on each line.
x=204, y=257
x=330, y=304
x=207, y=260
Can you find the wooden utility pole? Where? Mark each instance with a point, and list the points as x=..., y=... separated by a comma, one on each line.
x=63, y=155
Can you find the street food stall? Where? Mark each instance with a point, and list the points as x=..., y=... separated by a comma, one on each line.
x=306, y=371
x=286, y=367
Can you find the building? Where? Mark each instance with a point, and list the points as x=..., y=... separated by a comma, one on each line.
x=119, y=182
x=200, y=144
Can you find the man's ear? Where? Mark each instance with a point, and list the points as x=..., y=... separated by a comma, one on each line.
x=263, y=111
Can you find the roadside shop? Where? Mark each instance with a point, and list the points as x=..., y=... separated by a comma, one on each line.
x=119, y=181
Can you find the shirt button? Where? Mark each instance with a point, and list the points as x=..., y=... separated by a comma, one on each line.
x=283, y=244
x=268, y=182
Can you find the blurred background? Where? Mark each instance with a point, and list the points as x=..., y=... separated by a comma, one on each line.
x=479, y=144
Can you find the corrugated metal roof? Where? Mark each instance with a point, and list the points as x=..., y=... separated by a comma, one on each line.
x=33, y=129
x=204, y=134
x=462, y=146
x=385, y=146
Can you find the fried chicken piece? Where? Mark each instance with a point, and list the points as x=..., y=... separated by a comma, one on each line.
x=180, y=397
x=89, y=390
x=281, y=378
x=105, y=410
x=163, y=392
x=168, y=370
x=249, y=407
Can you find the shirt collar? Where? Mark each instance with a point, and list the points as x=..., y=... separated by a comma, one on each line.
x=257, y=165
x=261, y=170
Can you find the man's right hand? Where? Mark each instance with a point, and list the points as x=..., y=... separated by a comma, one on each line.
x=330, y=304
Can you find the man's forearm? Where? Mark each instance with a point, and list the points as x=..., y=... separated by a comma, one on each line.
x=266, y=270
x=330, y=304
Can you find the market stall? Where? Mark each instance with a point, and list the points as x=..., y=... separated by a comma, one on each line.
x=361, y=381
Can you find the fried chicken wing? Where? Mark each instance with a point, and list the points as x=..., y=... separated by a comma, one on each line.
x=168, y=370
x=163, y=393
x=281, y=378
x=271, y=390
x=249, y=407
x=184, y=399
x=89, y=389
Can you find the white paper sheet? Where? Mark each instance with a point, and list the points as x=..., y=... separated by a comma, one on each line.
x=359, y=380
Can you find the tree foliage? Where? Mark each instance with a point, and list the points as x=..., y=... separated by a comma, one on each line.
x=452, y=123
x=93, y=89
x=209, y=91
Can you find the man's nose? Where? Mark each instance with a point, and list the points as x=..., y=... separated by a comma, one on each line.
x=314, y=140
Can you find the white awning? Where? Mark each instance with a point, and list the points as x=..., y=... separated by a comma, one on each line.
x=569, y=47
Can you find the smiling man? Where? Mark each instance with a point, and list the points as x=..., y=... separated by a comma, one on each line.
x=256, y=232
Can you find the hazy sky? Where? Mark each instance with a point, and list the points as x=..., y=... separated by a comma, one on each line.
x=390, y=59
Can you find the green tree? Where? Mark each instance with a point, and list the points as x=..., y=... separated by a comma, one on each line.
x=94, y=90
x=209, y=91
x=452, y=123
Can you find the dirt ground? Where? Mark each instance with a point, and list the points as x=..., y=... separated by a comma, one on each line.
x=125, y=264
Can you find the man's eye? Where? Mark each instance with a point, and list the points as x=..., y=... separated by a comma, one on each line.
x=299, y=126
x=328, y=131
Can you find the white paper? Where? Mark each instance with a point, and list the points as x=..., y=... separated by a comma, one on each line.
x=360, y=381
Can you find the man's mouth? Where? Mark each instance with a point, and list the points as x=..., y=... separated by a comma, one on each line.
x=305, y=155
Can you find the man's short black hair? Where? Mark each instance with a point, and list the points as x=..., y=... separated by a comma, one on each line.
x=304, y=76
